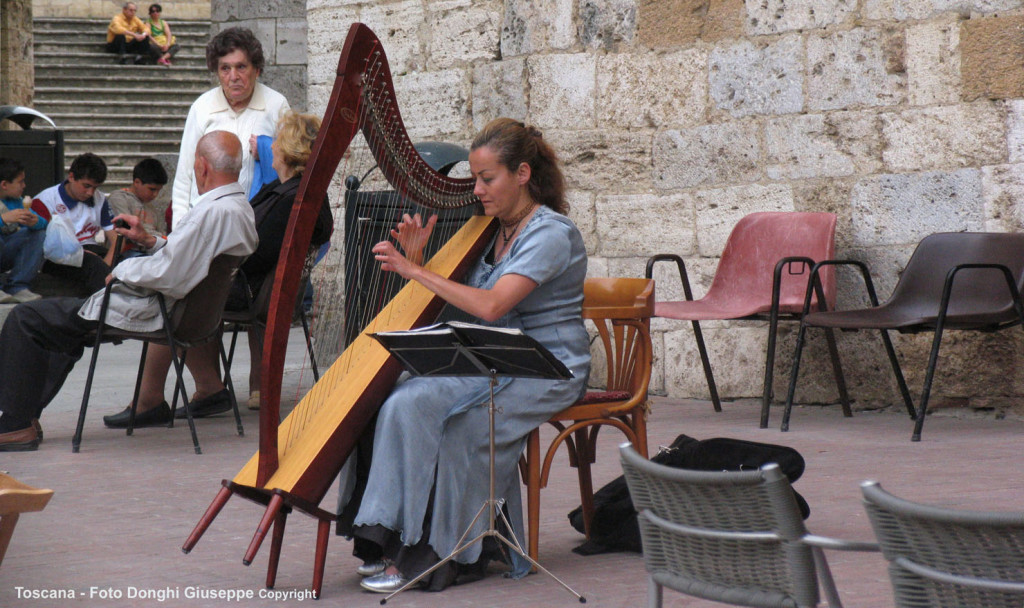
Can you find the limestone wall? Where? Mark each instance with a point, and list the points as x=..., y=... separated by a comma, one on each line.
x=280, y=26
x=17, y=78
x=677, y=117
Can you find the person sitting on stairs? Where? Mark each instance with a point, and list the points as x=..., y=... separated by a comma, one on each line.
x=128, y=34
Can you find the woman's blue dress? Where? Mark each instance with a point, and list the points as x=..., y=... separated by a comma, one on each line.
x=439, y=425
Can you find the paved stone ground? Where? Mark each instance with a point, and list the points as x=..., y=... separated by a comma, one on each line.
x=124, y=505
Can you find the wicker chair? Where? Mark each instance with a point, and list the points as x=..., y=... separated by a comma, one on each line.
x=941, y=558
x=731, y=537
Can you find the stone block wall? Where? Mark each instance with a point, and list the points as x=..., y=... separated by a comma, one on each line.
x=280, y=26
x=674, y=118
x=17, y=79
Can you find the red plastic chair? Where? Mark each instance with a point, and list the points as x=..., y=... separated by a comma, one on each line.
x=762, y=275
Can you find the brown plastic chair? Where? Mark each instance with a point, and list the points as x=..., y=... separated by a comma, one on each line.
x=194, y=320
x=954, y=280
x=620, y=309
x=762, y=275
x=17, y=498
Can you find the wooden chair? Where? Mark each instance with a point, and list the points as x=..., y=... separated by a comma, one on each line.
x=948, y=558
x=762, y=275
x=194, y=320
x=17, y=498
x=735, y=537
x=620, y=309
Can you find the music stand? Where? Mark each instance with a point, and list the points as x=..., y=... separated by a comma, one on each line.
x=463, y=349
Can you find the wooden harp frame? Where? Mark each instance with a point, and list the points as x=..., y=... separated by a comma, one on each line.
x=353, y=98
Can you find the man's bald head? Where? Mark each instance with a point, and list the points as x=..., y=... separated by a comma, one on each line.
x=218, y=160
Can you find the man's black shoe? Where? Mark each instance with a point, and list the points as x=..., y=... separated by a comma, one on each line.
x=207, y=406
x=158, y=416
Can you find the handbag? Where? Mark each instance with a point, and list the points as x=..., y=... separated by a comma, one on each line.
x=614, y=526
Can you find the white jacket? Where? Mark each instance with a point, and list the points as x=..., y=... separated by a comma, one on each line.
x=211, y=112
x=221, y=222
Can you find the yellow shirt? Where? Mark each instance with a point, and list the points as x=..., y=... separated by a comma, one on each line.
x=121, y=25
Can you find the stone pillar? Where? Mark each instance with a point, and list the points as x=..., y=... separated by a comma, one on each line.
x=17, y=78
x=280, y=26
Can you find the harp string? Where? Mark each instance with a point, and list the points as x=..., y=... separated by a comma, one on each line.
x=381, y=140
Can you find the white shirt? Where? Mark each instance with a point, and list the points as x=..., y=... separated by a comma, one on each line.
x=211, y=112
x=222, y=222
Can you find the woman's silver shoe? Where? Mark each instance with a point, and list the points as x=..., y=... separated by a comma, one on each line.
x=372, y=568
x=383, y=583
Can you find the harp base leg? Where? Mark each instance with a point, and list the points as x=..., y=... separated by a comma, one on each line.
x=204, y=522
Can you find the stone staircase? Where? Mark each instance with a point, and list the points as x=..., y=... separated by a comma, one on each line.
x=121, y=112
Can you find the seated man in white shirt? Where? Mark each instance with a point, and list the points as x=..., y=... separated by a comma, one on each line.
x=45, y=338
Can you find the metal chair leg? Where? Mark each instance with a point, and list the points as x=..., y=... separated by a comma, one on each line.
x=231, y=387
x=135, y=394
x=699, y=337
x=793, y=376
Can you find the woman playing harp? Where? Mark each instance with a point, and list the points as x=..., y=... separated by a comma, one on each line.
x=429, y=470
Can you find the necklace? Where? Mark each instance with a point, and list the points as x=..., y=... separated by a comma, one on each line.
x=509, y=227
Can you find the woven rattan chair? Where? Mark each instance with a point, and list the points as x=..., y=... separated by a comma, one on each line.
x=732, y=537
x=947, y=558
x=762, y=275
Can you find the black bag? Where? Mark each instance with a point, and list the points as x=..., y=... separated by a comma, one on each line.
x=614, y=527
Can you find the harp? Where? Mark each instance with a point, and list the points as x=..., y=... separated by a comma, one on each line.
x=299, y=457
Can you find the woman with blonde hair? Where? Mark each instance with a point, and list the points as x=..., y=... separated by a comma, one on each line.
x=272, y=206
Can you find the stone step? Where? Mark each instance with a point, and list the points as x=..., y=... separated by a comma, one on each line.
x=71, y=39
x=120, y=147
x=110, y=107
x=119, y=77
x=46, y=26
x=121, y=112
x=102, y=96
x=49, y=74
x=96, y=55
x=132, y=118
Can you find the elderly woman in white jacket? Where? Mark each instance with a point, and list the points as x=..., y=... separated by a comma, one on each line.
x=240, y=105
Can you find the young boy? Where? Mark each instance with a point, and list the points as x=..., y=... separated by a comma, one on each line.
x=78, y=198
x=148, y=178
x=21, y=236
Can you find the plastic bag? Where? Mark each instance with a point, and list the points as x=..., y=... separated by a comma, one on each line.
x=60, y=245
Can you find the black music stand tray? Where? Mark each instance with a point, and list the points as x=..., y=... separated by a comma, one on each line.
x=463, y=349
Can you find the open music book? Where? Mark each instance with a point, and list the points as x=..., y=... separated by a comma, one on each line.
x=467, y=349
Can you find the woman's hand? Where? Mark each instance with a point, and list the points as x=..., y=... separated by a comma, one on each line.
x=253, y=148
x=392, y=261
x=412, y=235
